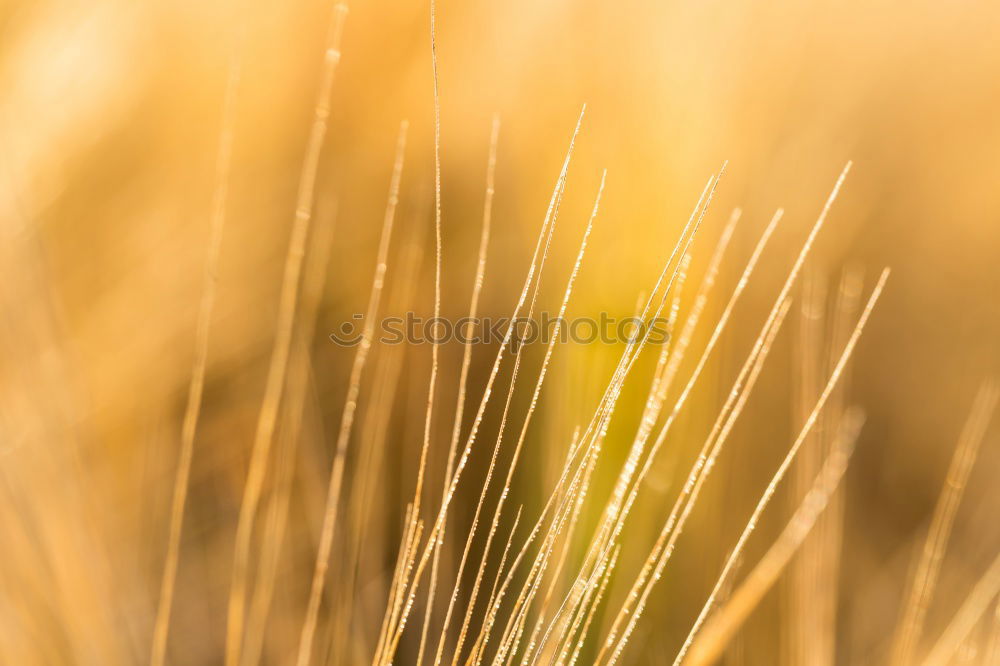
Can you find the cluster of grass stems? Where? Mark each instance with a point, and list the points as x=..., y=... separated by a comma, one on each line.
x=517, y=592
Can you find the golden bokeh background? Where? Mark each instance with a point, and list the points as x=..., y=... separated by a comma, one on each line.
x=109, y=120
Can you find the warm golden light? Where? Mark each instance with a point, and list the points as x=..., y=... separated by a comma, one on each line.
x=656, y=332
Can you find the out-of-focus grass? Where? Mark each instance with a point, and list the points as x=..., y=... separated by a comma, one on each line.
x=108, y=125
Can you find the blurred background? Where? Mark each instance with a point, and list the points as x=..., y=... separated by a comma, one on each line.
x=109, y=124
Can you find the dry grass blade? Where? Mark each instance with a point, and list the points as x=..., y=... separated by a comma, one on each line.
x=196, y=388
x=464, y=372
x=499, y=439
x=562, y=638
x=593, y=435
x=992, y=655
x=512, y=466
x=655, y=563
x=580, y=490
x=575, y=489
x=363, y=535
x=978, y=601
x=618, y=512
x=593, y=607
x=299, y=382
x=929, y=567
x=282, y=343
x=366, y=481
x=432, y=381
x=496, y=579
x=395, y=593
x=671, y=357
x=727, y=620
x=830, y=527
x=760, y=344
x=467, y=449
x=696, y=472
x=634, y=348
x=803, y=603
x=350, y=405
x=567, y=511
x=590, y=445
x=602, y=415
x=789, y=458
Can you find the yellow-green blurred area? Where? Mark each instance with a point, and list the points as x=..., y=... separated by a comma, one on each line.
x=110, y=115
